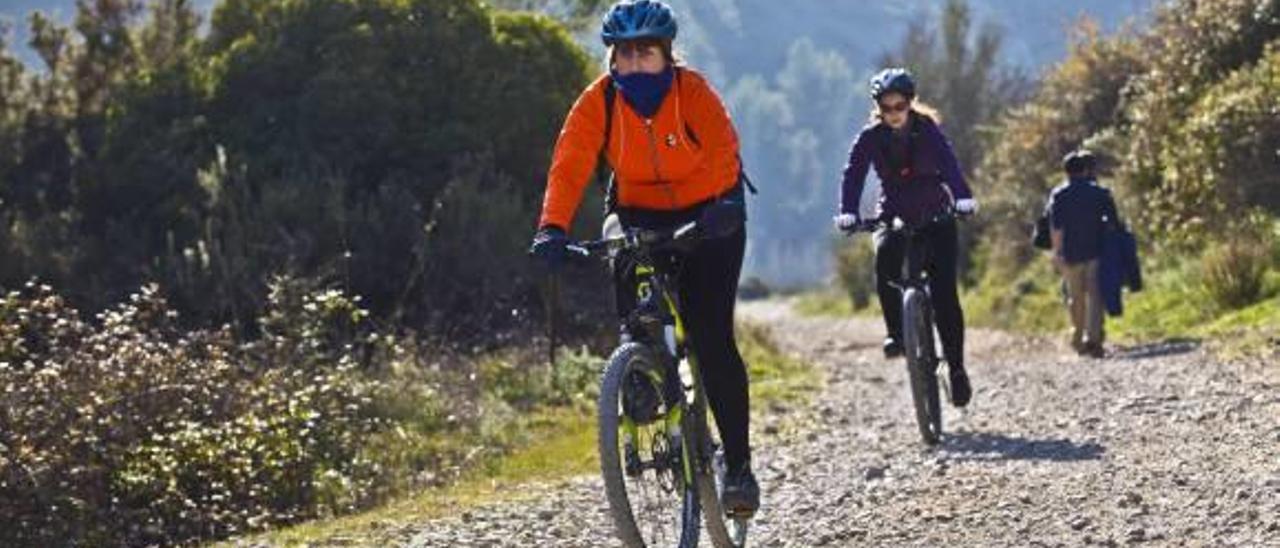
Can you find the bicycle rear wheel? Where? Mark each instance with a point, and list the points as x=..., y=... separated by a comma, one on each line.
x=922, y=362
x=646, y=466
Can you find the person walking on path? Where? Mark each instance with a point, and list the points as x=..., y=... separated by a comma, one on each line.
x=1080, y=212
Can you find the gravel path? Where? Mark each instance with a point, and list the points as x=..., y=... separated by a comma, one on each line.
x=1160, y=445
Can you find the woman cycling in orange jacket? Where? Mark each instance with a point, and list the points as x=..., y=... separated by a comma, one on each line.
x=674, y=151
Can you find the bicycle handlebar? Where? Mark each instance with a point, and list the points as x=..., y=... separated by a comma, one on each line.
x=631, y=239
x=895, y=222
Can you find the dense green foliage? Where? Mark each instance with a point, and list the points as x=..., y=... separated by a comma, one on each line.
x=395, y=148
x=1186, y=115
x=855, y=270
x=253, y=181
x=138, y=431
x=1185, y=111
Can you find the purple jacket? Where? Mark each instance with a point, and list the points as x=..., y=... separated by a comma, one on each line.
x=914, y=193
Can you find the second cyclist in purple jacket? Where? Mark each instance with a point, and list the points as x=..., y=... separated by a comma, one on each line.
x=920, y=179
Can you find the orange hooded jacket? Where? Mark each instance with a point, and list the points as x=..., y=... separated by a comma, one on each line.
x=656, y=163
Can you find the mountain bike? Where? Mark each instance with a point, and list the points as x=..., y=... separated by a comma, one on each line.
x=917, y=323
x=659, y=458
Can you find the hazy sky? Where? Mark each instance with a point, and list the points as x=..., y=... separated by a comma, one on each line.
x=1035, y=27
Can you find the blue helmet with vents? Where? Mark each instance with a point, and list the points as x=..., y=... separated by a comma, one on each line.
x=637, y=20
x=893, y=80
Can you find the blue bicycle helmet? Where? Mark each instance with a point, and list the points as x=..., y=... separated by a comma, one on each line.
x=638, y=19
x=893, y=80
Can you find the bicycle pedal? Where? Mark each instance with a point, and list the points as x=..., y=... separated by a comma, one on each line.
x=741, y=513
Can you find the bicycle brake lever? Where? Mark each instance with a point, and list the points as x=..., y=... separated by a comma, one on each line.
x=683, y=231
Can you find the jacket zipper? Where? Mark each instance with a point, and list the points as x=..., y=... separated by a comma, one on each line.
x=657, y=162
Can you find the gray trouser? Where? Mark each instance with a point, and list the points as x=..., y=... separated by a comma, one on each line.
x=1084, y=301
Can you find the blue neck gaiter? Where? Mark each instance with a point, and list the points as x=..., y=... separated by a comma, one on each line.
x=643, y=91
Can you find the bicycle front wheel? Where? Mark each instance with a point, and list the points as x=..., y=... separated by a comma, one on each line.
x=647, y=469
x=922, y=362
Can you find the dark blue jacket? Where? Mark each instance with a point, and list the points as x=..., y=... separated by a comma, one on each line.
x=1118, y=267
x=913, y=192
x=1082, y=210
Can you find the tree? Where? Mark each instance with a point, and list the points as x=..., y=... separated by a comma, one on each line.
x=1079, y=100
x=319, y=139
x=1194, y=47
x=958, y=70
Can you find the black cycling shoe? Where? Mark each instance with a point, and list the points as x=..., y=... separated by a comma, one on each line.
x=741, y=494
x=960, y=390
x=892, y=348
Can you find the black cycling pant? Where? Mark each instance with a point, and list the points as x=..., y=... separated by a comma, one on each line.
x=938, y=241
x=707, y=288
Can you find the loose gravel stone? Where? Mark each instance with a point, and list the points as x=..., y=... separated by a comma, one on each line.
x=1160, y=444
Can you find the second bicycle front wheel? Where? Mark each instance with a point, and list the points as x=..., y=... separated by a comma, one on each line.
x=917, y=334
x=646, y=467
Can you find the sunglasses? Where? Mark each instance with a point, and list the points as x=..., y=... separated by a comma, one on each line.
x=636, y=49
x=900, y=106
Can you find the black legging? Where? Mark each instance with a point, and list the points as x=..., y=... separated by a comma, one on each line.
x=707, y=290
x=939, y=243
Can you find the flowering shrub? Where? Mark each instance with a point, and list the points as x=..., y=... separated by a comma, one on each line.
x=129, y=430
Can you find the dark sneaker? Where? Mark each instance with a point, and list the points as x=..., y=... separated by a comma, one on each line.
x=960, y=390
x=892, y=348
x=741, y=493
x=640, y=398
x=1094, y=350
x=1078, y=346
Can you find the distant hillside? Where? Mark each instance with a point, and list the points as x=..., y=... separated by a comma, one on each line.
x=735, y=37
x=752, y=36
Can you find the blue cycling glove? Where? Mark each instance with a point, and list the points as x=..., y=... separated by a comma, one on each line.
x=549, y=246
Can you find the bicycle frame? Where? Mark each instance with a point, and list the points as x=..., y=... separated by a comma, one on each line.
x=656, y=320
x=913, y=263
x=655, y=328
x=917, y=322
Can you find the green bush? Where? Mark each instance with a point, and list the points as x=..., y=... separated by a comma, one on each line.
x=336, y=141
x=855, y=270
x=1232, y=273
x=1029, y=302
x=1200, y=65
x=1184, y=114
x=132, y=431
x=1221, y=160
x=1079, y=101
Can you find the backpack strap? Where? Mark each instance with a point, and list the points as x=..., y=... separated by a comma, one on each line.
x=610, y=97
x=610, y=188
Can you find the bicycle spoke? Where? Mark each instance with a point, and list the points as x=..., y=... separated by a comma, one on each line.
x=656, y=491
x=643, y=464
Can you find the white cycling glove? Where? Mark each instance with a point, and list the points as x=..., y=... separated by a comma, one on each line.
x=966, y=206
x=845, y=221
